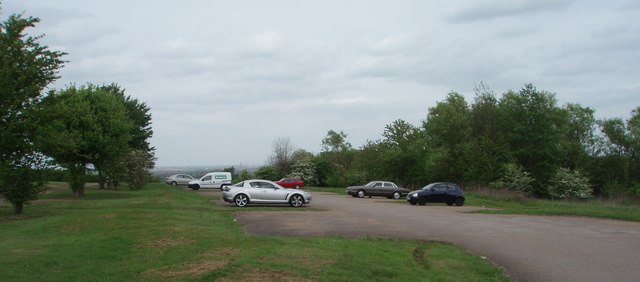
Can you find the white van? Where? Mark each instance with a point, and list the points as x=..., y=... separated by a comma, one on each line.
x=211, y=180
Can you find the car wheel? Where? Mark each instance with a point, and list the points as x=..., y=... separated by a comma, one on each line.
x=422, y=201
x=413, y=203
x=459, y=202
x=174, y=184
x=296, y=201
x=196, y=187
x=361, y=194
x=222, y=187
x=297, y=186
x=396, y=195
x=449, y=203
x=241, y=200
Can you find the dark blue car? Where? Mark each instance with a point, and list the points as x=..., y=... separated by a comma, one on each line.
x=439, y=192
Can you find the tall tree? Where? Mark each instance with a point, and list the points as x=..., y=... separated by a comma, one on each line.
x=26, y=68
x=448, y=130
x=403, y=152
x=488, y=151
x=532, y=124
x=282, y=156
x=84, y=126
x=337, y=151
x=139, y=114
x=579, y=133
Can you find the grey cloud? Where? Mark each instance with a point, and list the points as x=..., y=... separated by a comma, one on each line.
x=472, y=11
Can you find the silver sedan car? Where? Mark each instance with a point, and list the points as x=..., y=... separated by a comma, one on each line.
x=258, y=191
x=178, y=179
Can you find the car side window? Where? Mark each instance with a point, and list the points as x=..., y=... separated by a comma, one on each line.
x=451, y=188
x=378, y=184
x=440, y=188
x=239, y=184
x=207, y=178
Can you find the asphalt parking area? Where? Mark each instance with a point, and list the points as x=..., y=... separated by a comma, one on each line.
x=530, y=248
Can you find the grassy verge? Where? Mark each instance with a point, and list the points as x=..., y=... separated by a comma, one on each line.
x=590, y=208
x=167, y=234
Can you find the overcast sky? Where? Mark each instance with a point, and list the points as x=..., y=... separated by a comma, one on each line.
x=224, y=79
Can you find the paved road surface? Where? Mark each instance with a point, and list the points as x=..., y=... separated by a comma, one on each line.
x=530, y=248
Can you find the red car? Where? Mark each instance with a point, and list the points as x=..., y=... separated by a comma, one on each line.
x=290, y=183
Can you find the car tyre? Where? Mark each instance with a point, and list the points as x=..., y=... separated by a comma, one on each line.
x=174, y=184
x=396, y=195
x=297, y=186
x=296, y=201
x=449, y=203
x=361, y=194
x=459, y=202
x=413, y=203
x=422, y=201
x=241, y=200
x=196, y=187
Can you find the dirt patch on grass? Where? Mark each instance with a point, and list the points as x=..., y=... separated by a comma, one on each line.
x=191, y=269
x=168, y=242
x=220, y=252
x=259, y=275
x=26, y=251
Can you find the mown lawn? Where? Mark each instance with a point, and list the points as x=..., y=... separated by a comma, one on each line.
x=590, y=208
x=167, y=234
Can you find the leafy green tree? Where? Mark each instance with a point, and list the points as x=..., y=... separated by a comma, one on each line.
x=267, y=172
x=138, y=165
x=448, y=132
x=488, y=151
x=139, y=115
x=621, y=152
x=532, y=125
x=403, y=152
x=244, y=175
x=579, y=138
x=339, y=153
x=84, y=126
x=26, y=68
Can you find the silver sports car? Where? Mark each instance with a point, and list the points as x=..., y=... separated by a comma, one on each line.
x=258, y=191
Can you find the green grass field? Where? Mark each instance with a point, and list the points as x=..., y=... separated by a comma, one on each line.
x=167, y=234
x=589, y=208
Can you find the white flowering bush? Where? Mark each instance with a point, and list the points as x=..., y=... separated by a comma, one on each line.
x=569, y=184
x=516, y=179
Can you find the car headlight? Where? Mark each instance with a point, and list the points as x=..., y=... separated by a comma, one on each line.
x=414, y=195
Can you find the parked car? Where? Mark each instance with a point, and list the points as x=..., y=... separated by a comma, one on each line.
x=439, y=192
x=178, y=179
x=214, y=180
x=378, y=188
x=258, y=191
x=290, y=183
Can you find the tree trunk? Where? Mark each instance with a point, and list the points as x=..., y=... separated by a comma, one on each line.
x=18, y=207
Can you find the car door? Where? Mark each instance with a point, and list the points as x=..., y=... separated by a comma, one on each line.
x=274, y=193
x=388, y=189
x=452, y=193
x=206, y=181
x=376, y=189
x=438, y=193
